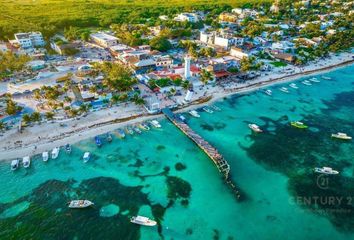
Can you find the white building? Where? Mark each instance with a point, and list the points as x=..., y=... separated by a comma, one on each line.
x=189, y=17
x=238, y=53
x=187, y=67
x=103, y=39
x=29, y=40
x=207, y=38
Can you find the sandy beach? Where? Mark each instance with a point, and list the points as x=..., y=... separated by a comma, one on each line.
x=46, y=136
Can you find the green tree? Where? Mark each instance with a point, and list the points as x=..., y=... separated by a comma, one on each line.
x=11, y=107
x=49, y=115
x=36, y=117
x=26, y=118
x=205, y=76
x=117, y=77
x=2, y=126
x=160, y=43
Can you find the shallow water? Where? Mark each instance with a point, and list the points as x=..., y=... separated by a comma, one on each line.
x=163, y=175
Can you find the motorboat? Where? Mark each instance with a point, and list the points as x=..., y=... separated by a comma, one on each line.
x=143, y=221
x=86, y=157
x=208, y=110
x=298, y=124
x=55, y=152
x=144, y=126
x=326, y=170
x=255, y=128
x=129, y=130
x=268, y=92
x=214, y=107
x=181, y=117
x=80, y=204
x=155, y=123
x=194, y=113
x=315, y=80
x=68, y=148
x=284, y=89
x=121, y=133
x=306, y=82
x=98, y=141
x=109, y=137
x=293, y=85
x=342, y=136
x=15, y=164
x=26, y=161
x=326, y=78
x=137, y=130
x=45, y=156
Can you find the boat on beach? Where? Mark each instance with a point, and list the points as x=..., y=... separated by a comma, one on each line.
x=15, y=164
x=68, y=148
x=326, y=170
x=45, y=156
x=293, y=85
x=140, y=220
x=306, y=82
x=208, y=110
x=315, y=80
x=86, y=157
x=26, y=161
x=55, y=153
x=342, y=136
x=298, y=124
x=121, y=133
x=80, y=204
x=98, y=141
x=194, y=113
x=109, y=137
x=255, y=128
x=155, y=123
x=284, y=89
x=268, y=92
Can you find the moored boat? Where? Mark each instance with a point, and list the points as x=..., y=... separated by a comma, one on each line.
x=55, y=152
x=45, y=156
x=284, y=89
x=98, y=141
x=255, y=128
x=155, y=123
x=293, y=85
x=315, y=80
x=109, y=137
x=181, y=117
x=298, y=124
x=342, y=136
x=121, y=133
x=80, y=204
x=194, y=113
x=143, y=221
x=214, y=107
x=326, y=170
x=268, y=92
x=68, y=148
x=306, y=82
x=15, y=164
x=26, y=161
x=129, y=130
x=326, y=78
x=144, y=126
x=137, y=130
x=86, y=157
x=208, y=110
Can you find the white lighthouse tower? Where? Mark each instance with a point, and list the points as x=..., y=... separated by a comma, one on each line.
x=187, y=67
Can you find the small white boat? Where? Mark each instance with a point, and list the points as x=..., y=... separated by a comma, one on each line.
x=45, y=156
x=15, y=164
x=315, y=80
x=216, y=108
x=26, y=161
x=143, y=221
x=55, y=152
x=121, y=133
x=268, y=92
x=155, y=123
x=326, y=170
x=181, y=117
x=86, y=157
x=326, y=78
x=306, y=82
x=342, y=136
x=208, y=110
x=80, y=204
x=137, y=130
x=68, y=148
x=293, y=85
x=194, y=113
x=284, y=89
x=255, y=128
x=144, y=126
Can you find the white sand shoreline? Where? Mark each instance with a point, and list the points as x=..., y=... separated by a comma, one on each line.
x=32, y=143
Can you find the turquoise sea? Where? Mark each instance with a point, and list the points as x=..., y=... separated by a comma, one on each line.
x=165, y=176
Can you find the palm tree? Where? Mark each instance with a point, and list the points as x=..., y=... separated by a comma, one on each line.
x=26, y=118
x=186, y=85
x=49, y=115
x=36, y=117
x=205, y=76
x=2, y=126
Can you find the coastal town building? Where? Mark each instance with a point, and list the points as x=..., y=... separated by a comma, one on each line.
x=238, y=53
x=104, y=39
x=189, y=17
x=29, y=40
